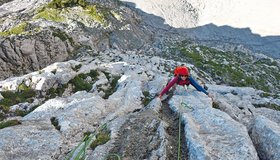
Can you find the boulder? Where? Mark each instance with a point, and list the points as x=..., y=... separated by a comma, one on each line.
x=265, y=135
x=211, y=133
x=31, y=140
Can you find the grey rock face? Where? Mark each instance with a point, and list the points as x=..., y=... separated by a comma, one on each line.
x=19, y=55
x=16, y=142
x=15, y=6
x=211, y=134
x=4, y=1
x=270, y=114
x=82, y=114
x=266, y=137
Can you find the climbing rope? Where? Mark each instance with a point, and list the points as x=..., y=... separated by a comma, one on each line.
x=179, y=139
x=183, y=104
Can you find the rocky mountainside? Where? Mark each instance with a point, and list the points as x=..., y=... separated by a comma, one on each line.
x=37, y=33
x=80, y=79
x=225, y=24
x=111, y=97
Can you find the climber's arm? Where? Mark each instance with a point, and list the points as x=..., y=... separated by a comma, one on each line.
x=197, y=86
x=170, y=84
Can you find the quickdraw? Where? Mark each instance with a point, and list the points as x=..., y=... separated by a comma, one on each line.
x=183, y=104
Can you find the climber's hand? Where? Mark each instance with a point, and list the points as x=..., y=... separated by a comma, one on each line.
x=211, y=95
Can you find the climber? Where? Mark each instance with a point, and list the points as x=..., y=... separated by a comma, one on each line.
x=182, y=77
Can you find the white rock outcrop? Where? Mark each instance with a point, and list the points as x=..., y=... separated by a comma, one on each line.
x=265, y=135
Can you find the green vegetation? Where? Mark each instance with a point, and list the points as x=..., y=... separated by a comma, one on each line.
x=269, y=105
x=19, y=29
x=55, y=10
x=50, y=14
x=230, y=73
x=2, y=116
x=101, y=138
x=79, y=82
x=9, y=123
x=215, y=105
x=59, y=4
x=55, y=123
x=53, y=92
x=97, y=14
x=112, y=87
x=63, y=36
x=24, y=113
x=233, y=68
x=147, y=98
x=102, y=135
x=77, y=67
x=25, y=94
x=23, y=87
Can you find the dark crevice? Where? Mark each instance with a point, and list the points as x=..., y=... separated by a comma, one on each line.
x=138, y=136
x=55, y=123
x=172, y=119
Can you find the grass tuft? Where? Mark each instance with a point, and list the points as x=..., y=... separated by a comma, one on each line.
x=59, y=4
x=25, y=94
x=19, y=29
x=9, y=123
x=80, y=83
x=50, y=14
x=147, y=98
x=101, y=138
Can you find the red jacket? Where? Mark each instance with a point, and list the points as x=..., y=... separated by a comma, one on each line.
x=179, y=81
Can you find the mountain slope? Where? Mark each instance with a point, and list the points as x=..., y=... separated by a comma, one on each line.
x=251, y=24
x=43, y=33
x=116, y=95
x=94, y=71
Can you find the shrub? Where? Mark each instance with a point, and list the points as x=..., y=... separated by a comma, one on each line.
x=147, y=98
x=113, y=87
x=58, y=4
x=79, y=82
x=101, y=138
x=11, y=98
x=77, y=67
x=50, y=14
x=95, y=14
